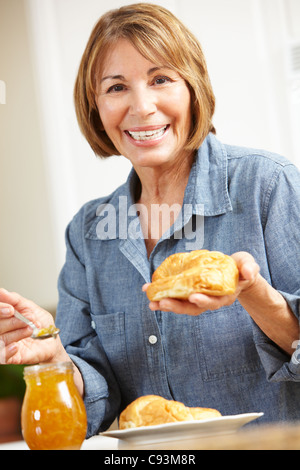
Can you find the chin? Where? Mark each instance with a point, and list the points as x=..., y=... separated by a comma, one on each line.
x=151, y=158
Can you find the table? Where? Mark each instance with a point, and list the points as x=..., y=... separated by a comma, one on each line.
x=269, y=437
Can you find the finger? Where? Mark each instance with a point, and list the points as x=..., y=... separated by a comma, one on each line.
x=154, y=305
x=145, y=286
x=7, y=353
x=6, y=310
x=2, y=353
x=11, y=324
x=247, y=265
x=209, y=302
x=16, y=300
x=172, y=305
x=249, y=271
x=7, y=297
x=183, y=307
x=15, y=335
x=3, y=291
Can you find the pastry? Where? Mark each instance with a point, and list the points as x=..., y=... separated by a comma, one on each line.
x=203, y=271
x=151, y=410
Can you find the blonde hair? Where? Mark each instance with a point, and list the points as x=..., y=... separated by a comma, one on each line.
x=158, y=35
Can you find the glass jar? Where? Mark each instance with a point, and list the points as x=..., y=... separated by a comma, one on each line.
x=53, y=415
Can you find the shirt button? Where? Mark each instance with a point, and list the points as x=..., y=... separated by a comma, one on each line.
x=152, y=339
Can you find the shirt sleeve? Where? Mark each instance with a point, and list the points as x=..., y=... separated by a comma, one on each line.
x=102, y=395
x=282, y=242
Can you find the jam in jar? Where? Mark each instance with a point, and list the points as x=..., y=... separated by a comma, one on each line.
x=53, y=415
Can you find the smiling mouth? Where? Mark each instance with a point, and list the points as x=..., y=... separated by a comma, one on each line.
x=148, y=135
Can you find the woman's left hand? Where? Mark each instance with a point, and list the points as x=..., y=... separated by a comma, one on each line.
x=199, y=303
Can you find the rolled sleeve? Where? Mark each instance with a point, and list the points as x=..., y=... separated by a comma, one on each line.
x=282, y=235
x=279, y=366
x=293, y=301
x=96, y=393
x=100, y=402
x=282, y=241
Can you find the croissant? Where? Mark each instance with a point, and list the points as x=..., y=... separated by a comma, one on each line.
x=150, y=410
x=203, y=271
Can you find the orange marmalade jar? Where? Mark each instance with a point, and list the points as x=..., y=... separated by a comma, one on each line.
x=53, y=415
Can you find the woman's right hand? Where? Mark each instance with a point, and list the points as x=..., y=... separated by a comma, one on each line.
x=16, y=345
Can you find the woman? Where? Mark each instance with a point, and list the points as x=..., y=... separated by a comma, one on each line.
x=143, y=92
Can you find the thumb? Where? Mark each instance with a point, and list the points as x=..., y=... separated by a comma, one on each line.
x=247, y=265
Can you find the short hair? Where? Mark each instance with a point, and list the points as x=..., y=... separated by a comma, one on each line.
x=158, y=35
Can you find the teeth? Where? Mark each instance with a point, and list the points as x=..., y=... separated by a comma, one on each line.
x=148, y=135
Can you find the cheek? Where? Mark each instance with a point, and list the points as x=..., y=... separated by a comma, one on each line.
x=109, y=115
x=180, y=108
x=182, y=121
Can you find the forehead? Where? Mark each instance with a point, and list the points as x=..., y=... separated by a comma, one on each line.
x=124, y=56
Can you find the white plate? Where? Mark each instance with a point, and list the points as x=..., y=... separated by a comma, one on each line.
x=183, y=430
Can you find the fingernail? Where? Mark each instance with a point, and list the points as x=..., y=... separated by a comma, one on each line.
x=6, y=311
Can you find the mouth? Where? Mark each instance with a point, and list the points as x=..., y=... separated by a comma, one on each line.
x=149, y=134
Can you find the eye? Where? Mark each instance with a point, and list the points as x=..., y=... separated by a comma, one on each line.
x=162, y=80
x=115, y=88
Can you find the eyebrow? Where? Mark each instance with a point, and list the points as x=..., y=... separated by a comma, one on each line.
x=113, y=77
x=121, y=77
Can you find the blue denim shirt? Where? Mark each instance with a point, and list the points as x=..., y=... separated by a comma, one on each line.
x=237, y=199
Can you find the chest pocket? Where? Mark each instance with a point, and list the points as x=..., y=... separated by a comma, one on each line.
x=225, y=343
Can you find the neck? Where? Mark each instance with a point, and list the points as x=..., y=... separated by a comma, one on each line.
x=164, y=185
x=161, y=198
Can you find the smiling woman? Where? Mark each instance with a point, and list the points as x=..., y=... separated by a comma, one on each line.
x=162, y=40
x=143, y=107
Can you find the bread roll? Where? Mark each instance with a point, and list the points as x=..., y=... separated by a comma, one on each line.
x=151, y=410
x=203, y=271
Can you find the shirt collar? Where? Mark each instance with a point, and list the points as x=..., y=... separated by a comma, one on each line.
x=206, y=193
x=207, y=188
x=208, y=181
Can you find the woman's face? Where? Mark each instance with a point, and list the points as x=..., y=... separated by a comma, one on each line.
x=145, y=107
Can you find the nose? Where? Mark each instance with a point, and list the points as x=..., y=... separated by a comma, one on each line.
x=142, y=102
